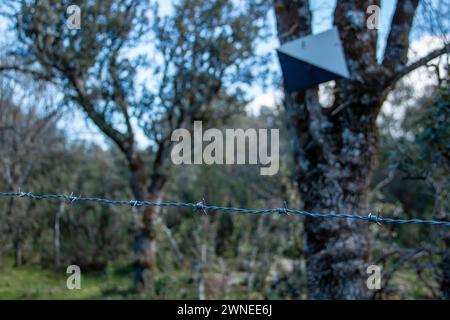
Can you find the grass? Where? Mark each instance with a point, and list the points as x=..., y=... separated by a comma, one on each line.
x=409, y=285
x=32, y=282
x=36, y=283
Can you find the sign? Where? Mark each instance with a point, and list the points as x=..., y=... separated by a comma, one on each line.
x=311, y=60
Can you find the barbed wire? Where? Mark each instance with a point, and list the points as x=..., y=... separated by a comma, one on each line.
x=201, y=206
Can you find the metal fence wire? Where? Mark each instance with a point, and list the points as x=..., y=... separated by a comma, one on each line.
x=205, y=208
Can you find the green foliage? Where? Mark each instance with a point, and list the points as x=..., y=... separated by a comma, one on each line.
x=413, y=181
x=426, y=136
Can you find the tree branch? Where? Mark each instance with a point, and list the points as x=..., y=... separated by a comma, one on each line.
x=33, y=73
x=417, y=64
x=121, y=140
x=294, y=19
x=397, y=46
x=359, y=42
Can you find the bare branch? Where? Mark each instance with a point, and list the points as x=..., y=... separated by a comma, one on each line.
x=119, y=138
x=293, y=19
x=358, y=41
x=34, y=73
x=417, y=64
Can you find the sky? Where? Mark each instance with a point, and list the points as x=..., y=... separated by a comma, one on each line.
x=322, y=21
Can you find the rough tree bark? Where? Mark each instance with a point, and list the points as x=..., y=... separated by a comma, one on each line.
x=335, y=148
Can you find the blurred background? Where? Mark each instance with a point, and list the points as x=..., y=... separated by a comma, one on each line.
x=90, y=111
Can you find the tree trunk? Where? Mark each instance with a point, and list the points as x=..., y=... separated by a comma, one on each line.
x=337, y=254
x=199, y=272
x=145, y=244
x=335, y=151
x=57, y=234
x=17, y=234
x=333, y=171
x=145, y=241
x=337, y=251
x=18, y=250
x=200, y=260
x=335, y=148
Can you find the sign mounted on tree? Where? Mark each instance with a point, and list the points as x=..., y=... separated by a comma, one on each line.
x=311, y=60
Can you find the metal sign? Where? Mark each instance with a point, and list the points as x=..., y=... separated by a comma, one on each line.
x=311, y=60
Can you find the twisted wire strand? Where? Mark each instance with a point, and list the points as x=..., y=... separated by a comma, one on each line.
x=205, y=207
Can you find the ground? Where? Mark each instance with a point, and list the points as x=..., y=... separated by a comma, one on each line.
x=32, y=282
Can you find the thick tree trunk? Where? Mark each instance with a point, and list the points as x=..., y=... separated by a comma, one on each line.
x=334, y=168
x=337, y=251
x=335, y=149
x=337, y=254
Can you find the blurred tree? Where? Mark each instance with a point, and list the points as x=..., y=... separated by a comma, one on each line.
x=426, y=156
x=27, y=134
x=335, y=148
x=87, y=235
x=198, y=48
x=412, y=180
x=244, y=250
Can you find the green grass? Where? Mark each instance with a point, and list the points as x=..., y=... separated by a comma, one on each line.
x=406, y=280
x=35, y=283
x=32, y=282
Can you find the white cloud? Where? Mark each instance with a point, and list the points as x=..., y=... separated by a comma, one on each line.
x=269, y=99
x=421, y=78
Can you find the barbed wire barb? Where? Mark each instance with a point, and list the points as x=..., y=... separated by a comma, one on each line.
x=284, y=209
x=201, y=206
x=376, y=219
